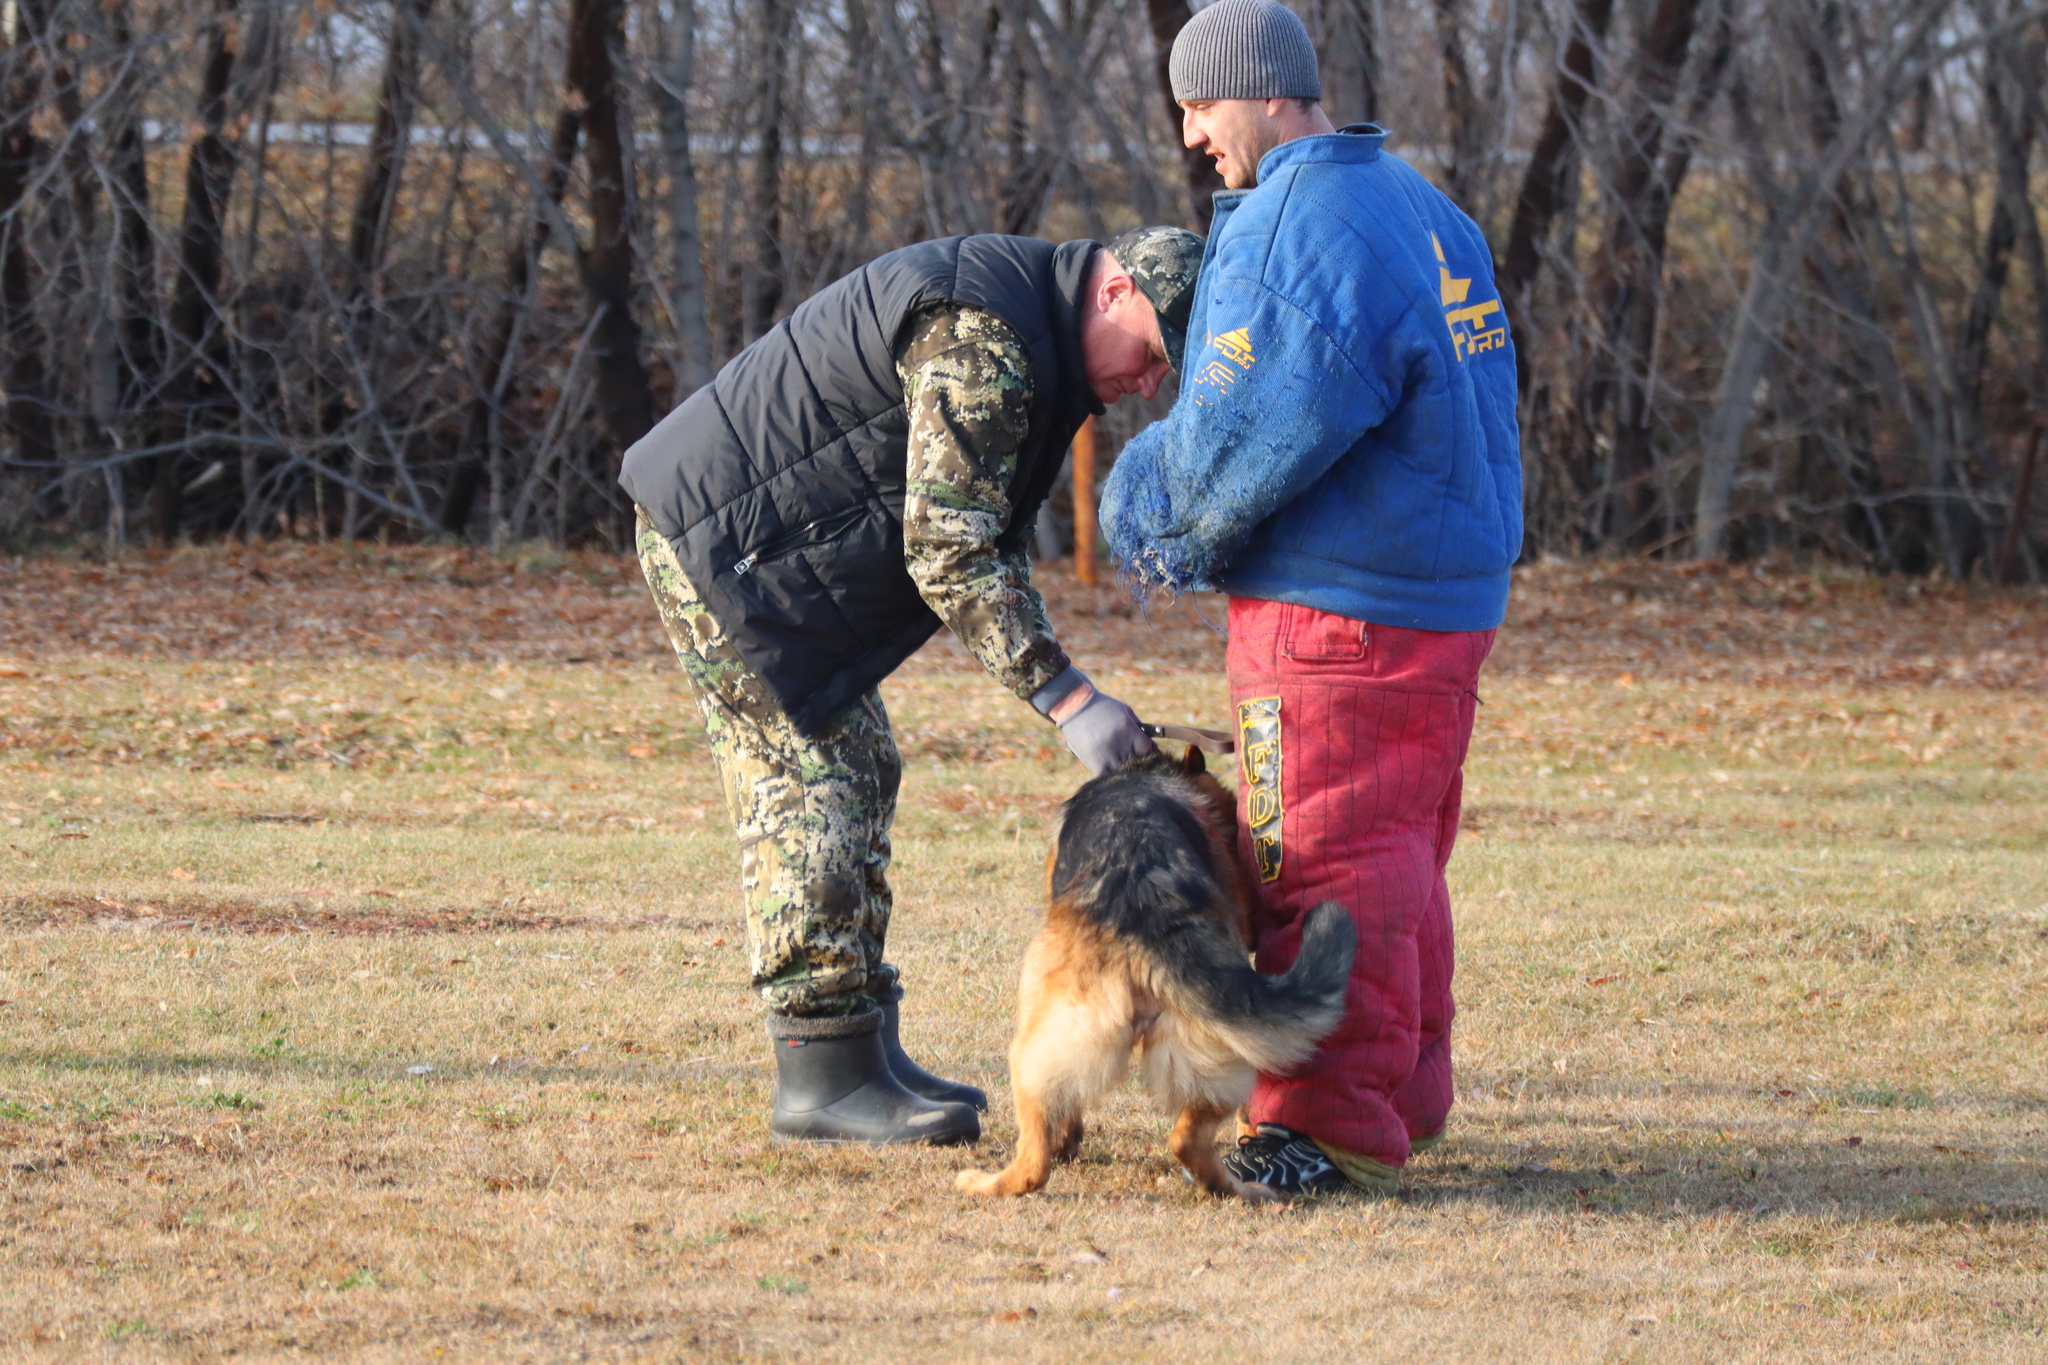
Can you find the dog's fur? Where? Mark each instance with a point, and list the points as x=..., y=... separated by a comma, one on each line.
x=1144, y=947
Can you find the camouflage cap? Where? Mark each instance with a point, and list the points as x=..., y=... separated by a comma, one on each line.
x=1164, y=262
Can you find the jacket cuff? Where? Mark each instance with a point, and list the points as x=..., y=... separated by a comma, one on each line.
x=1046, y=698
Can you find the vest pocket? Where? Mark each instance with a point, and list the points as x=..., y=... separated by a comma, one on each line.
x=817, y=532
x=837, y=582
x=1320, y=636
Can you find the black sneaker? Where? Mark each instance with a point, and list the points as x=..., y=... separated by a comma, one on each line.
x=1285, y=1162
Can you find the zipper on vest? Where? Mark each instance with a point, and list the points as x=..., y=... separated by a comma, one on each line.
x=801, y=536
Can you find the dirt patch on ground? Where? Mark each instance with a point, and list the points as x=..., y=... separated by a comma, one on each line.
x=167, y=914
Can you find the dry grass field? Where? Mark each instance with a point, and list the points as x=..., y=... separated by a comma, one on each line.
x=370, y=988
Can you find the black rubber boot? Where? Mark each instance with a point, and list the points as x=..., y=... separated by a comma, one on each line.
x=833, y=1084
x=914, y=1077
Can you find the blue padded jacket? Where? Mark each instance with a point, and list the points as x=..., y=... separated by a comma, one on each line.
x=1345, y=436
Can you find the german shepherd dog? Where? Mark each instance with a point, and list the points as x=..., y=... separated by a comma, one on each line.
x=1144, y=948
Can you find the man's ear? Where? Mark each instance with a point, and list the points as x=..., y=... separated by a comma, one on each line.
x=1116, y=287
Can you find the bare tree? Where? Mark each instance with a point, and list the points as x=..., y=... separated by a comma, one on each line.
x=1166, y=18
x=29, y=419
x=764, y=300
x=1552, y=173
x=668, y=89
x=369, y=231
x=625, y=397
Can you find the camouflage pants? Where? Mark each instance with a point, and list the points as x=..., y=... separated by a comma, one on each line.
x=812, y=815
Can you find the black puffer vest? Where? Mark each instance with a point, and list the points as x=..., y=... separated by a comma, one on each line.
x=780, y=483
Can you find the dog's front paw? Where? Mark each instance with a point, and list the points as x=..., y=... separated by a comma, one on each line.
x=1257, y=1194
x=977, y=1182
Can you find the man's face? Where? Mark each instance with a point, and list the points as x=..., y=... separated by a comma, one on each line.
x=1236, y=134
x=1120, y=346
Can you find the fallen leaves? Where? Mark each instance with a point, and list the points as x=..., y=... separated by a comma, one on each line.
x=1763, y=624
x=323, y=601
x=1729, y=623
x=180, y=874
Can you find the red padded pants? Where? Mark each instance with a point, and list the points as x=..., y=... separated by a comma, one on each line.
x=1372, y=726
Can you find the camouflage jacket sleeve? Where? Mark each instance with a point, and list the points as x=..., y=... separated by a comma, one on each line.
x=967, y=387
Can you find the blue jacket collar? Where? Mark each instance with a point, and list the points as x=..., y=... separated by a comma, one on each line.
x=1353, y=144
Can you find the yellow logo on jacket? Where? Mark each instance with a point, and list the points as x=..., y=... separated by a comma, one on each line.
x=1471, y=332
x=1233, y=348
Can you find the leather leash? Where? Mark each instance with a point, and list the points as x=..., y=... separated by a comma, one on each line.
x=1208, y=741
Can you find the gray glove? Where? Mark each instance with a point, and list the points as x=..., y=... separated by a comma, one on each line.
x=1101, y=730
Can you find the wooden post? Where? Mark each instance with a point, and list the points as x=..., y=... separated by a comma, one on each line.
x=1084, y=502
x=2015, y=526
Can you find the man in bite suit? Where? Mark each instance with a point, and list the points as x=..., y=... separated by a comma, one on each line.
x=1343, y=461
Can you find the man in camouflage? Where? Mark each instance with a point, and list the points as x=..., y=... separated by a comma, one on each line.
x=812, y=800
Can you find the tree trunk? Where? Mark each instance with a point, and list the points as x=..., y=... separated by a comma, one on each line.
x=1552, y=174
x=1462, y=108
x=2012, y=134
x=29, y=418
x=139, y=355
x=1637, y=302
x=194, y=330
x=764, y=296
x=852, y=245
x=491, y=380
x=625, y=395
x=384, y=159
x=1029, y=171
x=369, y=228
x=2027, y=80
x=1362, y=17
x=78, y=274
x=670, y=91
x=1197, y=170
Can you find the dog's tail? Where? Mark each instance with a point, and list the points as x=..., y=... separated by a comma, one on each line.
x=1273, y=1022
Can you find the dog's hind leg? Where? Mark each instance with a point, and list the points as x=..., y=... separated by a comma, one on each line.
x=1193, y=1140
x=1069, y=1144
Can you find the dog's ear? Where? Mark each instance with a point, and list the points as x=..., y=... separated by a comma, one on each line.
x=1192, y=764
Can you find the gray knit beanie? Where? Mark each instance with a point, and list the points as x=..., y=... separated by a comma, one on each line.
x=1244, y=50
